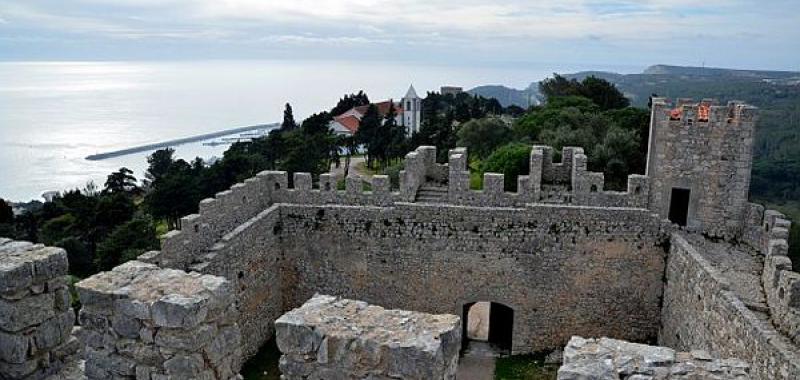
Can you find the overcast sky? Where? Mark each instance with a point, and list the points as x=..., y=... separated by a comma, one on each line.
x=728, y=33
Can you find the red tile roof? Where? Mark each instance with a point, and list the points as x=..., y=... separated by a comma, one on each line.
x=383, y=108
x=350, y=122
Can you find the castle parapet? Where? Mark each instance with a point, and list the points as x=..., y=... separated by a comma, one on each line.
x=589, y=187
x=781, y=283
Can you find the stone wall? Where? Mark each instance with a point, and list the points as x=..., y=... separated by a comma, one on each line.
x=701, y=311
x=711, y=158
x=35, y=315
x=147, y=323
x=548, y=183
x=333, y=338
x=611, y=359
x=556, y=266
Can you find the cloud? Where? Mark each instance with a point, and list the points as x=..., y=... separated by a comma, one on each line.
x=511, y=28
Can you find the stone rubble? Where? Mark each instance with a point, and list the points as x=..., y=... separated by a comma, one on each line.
x=611, y=359
x=35, y=315
x=146, y=323
x=334, y=338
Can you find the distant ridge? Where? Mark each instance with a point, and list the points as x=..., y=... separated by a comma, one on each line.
x=715, y=71
x=508, y=96
x=656, y=78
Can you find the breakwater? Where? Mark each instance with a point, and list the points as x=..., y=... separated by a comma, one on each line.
x=175, y=142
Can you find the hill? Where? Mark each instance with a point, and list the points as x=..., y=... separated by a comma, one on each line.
x=508, y=96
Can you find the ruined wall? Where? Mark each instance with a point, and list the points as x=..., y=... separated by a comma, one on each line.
x=712, y=158
x=563, y=270
x=35, y=315
x=701, y=311
x=611, y=359
x=140, y=321
x=334, y=338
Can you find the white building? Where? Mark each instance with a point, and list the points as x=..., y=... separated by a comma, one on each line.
x=412, y=111
x=408, y=113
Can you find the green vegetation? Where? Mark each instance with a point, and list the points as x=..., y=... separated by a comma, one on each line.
x=482, y=136
x=524, y=367
x=512, y=160
x=614, y=139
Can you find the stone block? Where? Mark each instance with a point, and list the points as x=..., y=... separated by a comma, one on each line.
x=343, y=338
x=160, y=324
x=612, y=359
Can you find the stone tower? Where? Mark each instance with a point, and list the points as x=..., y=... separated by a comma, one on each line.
x=412, y=107
x=699, y=162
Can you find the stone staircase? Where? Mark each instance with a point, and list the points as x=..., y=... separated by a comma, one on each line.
x=431, y=194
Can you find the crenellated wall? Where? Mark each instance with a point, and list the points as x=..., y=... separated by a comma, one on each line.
x=702, y=310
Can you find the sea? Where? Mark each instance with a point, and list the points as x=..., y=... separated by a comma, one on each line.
x=54, y=114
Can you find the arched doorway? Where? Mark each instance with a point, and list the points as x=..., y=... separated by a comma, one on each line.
x=489, y=322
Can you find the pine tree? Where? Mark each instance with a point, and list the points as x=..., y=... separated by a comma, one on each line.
x=288, y=119
x=368, y=133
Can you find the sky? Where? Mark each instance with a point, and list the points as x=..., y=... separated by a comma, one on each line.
x=752, y=34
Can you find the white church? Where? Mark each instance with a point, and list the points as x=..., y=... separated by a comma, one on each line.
x=408, y=112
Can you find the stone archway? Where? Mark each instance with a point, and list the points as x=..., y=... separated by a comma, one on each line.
x=490, y=322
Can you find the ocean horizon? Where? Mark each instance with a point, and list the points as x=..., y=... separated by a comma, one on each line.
x=54, y=114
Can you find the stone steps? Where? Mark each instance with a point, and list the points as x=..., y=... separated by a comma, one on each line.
x=431, y=195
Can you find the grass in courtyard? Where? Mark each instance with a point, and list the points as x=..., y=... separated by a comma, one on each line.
x=264, y=365
x=524, y=367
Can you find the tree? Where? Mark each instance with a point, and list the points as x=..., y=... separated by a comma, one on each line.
x=368, y=133
x=482, y=136
x=349, y=101
x=79, y=256
x=600, y=91
x=6, y=219
x=159, y=164
x=6, y=213
x=603, y=93
x=613, y=156
x=396, y=134
x=126, y=242
x=558, y=86
x=173, y=194
x=288, y=119
x=512, y=160
x=121, y=181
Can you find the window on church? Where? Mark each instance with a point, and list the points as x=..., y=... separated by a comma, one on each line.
x=408, y=105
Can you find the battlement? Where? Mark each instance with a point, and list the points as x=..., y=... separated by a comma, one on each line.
x=706, y=112
x=767, y=231
x=565, y=182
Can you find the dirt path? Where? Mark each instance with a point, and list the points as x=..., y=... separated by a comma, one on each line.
x=356, y=166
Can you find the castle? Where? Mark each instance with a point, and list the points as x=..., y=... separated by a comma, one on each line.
x=681, y=258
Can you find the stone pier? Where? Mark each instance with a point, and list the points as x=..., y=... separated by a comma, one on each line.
x=334, y=338
x=35, y=315
x=146, y=323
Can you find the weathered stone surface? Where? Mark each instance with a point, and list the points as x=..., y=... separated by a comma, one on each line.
x=141, y=321
x=703, y=310
x=35, y=318
x=332, y=338
x=611, y=359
